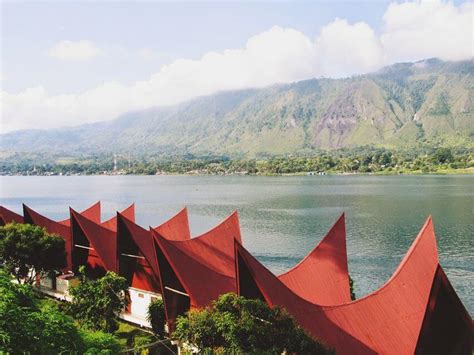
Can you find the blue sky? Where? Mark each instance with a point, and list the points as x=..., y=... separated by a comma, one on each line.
x=170, y=30
x=86, y=61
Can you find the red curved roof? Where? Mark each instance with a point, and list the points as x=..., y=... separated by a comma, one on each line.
x=133, y=241
x=387, y=321
x=205, y=272
x=176, y=228
x=8, y=216
x=103, y=240
x=33, y=217
x=322, y=276
x=129, y=213
x=200, y=269
x=61, y=228
x=447, y=326
x=229, y=227
x=93, y=213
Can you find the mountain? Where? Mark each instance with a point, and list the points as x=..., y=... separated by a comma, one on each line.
x=430, y=101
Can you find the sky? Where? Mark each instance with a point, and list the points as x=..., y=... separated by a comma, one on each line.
x=67, y=63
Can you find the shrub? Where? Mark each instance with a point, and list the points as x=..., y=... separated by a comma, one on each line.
x=156, y=316
x=96, y=304
x=238, y=325
x=98, y=342
x=24, y=328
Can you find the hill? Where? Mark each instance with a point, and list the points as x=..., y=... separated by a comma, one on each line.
x=430, y=101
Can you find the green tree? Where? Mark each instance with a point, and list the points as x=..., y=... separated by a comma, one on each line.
x=235, y=324
x=96, y=304
x=443, y=155
x=156, y=316
x=25, y=328
x=29, y=251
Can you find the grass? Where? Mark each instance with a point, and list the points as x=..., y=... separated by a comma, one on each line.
x=129, y=335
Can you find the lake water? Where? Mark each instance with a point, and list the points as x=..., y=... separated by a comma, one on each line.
x=282, y=218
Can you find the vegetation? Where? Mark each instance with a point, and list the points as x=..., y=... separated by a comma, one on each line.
x=424, y=159
x=406, y=104
x=26, y=328
x=98, y=342
x=96, y=304
x=30, y=323
x=29, y=252
x=234, y=324
x=351, y=288
x=156, y=316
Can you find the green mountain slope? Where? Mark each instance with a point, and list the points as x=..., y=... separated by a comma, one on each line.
x=425, y=102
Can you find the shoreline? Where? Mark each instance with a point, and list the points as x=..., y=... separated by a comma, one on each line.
x=466, y=171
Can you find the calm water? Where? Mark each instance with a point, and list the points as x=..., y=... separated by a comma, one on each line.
x=282, y=218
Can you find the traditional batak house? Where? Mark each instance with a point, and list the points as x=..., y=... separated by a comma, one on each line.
x=416, y=311
x=196, y=271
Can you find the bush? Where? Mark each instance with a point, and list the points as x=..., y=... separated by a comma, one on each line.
x=99, y=342
x=156, y=316
x=238, y=325
x=59, y=333
x=96, y=304
x=24, y=328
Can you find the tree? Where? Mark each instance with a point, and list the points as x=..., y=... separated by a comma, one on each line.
x=443, y=155
x=96, y=304
x=351, y=288
x=25, y=328
x=30, y=252
x=156, y=316
x=235, y=324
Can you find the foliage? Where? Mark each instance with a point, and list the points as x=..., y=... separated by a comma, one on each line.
x=29, y=251
x=98, y=342
x=368, y=159
x=96, y=304
x=351, y=288
x=24, y=328
x=156, y=316
x=443, y=155
x=236, y=324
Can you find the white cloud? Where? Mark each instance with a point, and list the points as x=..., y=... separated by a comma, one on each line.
x=75, y=50
x=412, y=31
x=416, y=30
x=344, y=49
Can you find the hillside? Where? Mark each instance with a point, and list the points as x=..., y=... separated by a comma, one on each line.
x=425, y=102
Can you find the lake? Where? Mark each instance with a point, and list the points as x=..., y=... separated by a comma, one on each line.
x=282, y=218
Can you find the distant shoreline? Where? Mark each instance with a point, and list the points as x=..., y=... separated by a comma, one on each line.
x=466, y=171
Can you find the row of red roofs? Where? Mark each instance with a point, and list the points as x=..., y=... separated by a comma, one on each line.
x=415, y=311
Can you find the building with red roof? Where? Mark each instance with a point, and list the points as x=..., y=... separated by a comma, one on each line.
x=392, y=320
x=8, y=216
x=322, y=276
x=416, y=311
x=62, y=228
x=195, y=272
x=176, y=228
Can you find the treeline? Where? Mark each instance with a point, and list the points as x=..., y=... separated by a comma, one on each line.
x=358, y=160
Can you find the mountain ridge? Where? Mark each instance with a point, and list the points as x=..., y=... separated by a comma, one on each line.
x=402, y=104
